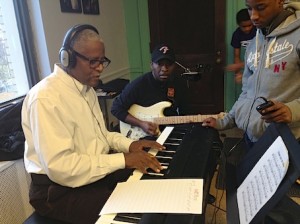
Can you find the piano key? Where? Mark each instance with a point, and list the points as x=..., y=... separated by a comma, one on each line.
x=164, y=135
x=169, y=151
x=165, y=160
x=149, y=170
x=177, y=135
x=128, y=217
x=154, y=174
x=137, y=175
x=171, y=147
x=163, y=157
x=136, y=215
x=151, y=177
x=171, y=143
x=181, y=132
x=174, y=139
x=163, y=153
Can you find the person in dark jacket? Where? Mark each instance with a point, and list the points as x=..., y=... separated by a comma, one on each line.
x=151, y=88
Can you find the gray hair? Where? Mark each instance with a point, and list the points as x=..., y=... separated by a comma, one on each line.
x=84, y=36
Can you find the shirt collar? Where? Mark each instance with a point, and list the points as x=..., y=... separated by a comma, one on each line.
x=70, y=81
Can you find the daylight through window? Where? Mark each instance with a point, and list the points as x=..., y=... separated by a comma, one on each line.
x=13, y=77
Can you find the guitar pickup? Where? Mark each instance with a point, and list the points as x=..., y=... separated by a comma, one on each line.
x=128, y=134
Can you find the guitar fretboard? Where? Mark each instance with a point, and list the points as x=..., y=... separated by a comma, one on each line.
x=183, y=119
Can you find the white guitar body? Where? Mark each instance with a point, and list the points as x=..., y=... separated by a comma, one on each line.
x=144, y=114
x=155, y=114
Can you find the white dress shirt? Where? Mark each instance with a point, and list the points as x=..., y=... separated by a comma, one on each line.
x=66, y=137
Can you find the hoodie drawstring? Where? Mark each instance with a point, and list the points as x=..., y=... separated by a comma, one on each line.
x=268, y=58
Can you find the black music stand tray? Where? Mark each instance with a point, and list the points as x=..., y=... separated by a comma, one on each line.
x=280, y=208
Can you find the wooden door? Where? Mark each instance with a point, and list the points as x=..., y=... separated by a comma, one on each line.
x=196, y=31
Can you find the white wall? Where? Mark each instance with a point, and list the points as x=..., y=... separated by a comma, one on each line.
x=50, y=26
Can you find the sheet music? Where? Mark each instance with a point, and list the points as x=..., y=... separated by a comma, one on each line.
x=108, y=218
x=156, y=196
x=263, y=180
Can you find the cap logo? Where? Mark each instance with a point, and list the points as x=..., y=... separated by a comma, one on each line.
x=164, y=49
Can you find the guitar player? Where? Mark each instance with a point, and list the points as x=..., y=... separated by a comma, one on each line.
x=150, y=88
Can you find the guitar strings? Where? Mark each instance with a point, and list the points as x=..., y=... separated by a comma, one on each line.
x=144, y=113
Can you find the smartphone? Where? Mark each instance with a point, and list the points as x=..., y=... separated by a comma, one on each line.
x=263, y=106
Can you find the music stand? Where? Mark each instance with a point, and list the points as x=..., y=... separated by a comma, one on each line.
x=236, y=175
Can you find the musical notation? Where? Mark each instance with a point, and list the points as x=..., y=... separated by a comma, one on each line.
x=156, y=196
x=263, y=180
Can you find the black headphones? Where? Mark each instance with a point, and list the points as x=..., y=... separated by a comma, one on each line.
x=66, y=56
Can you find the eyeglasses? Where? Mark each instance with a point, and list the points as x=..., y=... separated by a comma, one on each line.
x=94, y=63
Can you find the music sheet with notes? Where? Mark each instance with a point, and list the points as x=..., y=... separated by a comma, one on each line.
x=156, y=196
x=263, y=180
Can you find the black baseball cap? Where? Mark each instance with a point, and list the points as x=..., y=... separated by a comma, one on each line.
x=163, y=51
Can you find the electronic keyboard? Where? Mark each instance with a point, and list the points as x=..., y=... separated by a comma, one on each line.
x=191, y=152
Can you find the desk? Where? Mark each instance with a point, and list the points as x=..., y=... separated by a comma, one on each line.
x=109, y=91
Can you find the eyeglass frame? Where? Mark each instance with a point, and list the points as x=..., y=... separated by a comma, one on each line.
x=91, y=60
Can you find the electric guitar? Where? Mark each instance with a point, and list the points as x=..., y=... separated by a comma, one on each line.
x=155, y=114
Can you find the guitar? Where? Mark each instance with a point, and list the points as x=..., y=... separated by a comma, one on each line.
x=155, y=114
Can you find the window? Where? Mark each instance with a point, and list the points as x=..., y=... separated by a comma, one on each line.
x=15, y=62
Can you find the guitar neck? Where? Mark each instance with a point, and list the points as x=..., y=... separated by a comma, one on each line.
x=182, y=119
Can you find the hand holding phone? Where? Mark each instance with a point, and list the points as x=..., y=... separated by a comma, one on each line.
x=263, y=106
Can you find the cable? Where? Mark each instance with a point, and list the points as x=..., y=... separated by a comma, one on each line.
x=223, y=162
x=235, y=145
x=185, y=69
x=248, y=120
x=91, y=109
x=218, y=206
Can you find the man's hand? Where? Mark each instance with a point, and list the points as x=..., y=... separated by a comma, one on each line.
x=142, y=160
x=210, y=122
x=150, y=128
x=142, y=144
x=279, y=112
x=138, y=158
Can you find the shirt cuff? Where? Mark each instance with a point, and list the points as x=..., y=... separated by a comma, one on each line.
x=127, y=142
x=117, y=161
x=109, y=163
